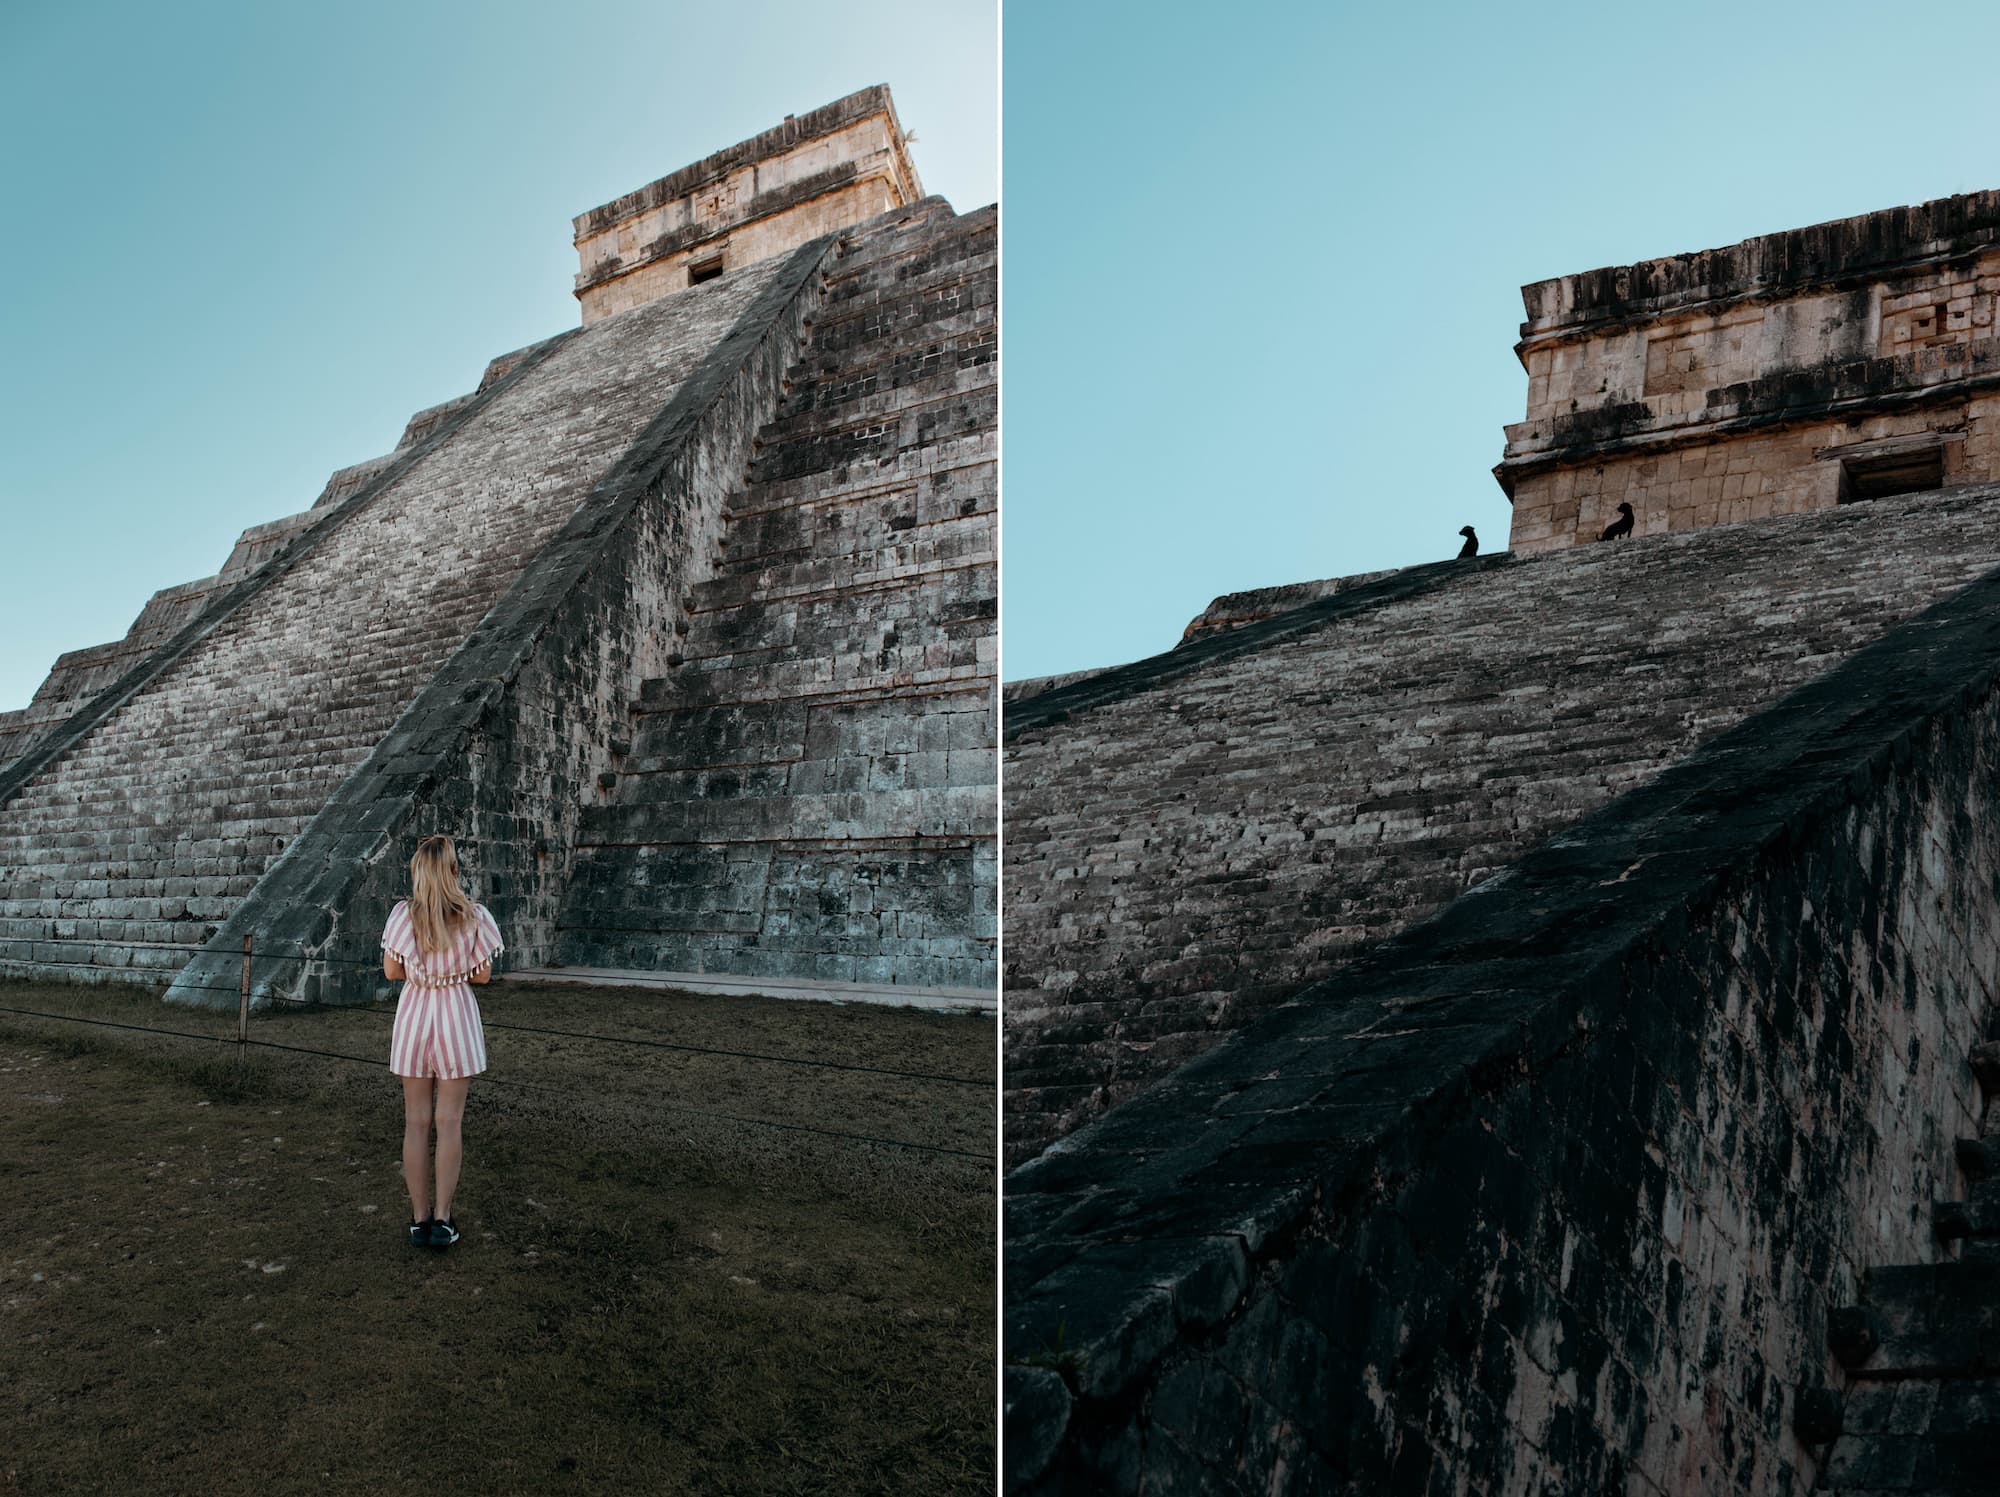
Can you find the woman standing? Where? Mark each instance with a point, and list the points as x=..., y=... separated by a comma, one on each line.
x=438, y=943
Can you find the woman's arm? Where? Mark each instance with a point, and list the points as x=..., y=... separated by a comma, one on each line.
x=392, y=967
x=483, y=974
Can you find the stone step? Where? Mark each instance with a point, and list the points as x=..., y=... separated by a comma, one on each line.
x=850, y=403
x=917, y=265
x=877, y=443
x=866, y=770
x=853, y=521
x=947, y=311
x=858, y=816
x=968, y=352
x=1923, y=1320
x=1928, y=1437
x=960, y=459
x=927, y=551
x=908, y=608
x=781, y=731
x=870, y=670
x=713, y=689
x=869, y=912
x=873, y=529
x=802, y=794
x=851, y=291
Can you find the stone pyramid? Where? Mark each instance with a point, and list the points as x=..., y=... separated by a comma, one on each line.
x=1527, y=1023
x=683, y=623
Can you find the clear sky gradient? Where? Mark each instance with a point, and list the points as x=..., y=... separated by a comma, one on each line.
x=243, y=242
x=1262, y=262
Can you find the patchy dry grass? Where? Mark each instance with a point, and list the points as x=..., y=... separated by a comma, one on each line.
x=203, y=1286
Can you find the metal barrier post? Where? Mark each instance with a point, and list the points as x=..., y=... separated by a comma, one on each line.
x=243, y=1006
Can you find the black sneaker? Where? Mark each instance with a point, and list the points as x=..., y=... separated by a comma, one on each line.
x=420, y=1233
x=443, y=1233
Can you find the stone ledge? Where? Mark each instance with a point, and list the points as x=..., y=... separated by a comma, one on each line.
x=1788, y=398
x=1096, y=688
x=1865, y=246
x=793, y=132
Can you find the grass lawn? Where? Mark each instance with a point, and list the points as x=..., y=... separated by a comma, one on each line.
x=204, y=1287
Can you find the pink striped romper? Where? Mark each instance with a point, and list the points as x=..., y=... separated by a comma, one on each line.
x=437, y=1030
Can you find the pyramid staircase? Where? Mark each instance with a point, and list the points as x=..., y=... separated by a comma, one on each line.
x=156, y=780
x=1921, y=1414
x=810, y=791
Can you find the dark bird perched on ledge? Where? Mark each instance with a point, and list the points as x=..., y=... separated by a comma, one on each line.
x=1471, y=546
x=1619, y=528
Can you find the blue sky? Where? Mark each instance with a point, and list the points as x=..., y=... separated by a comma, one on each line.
x=243, y=242
x=1262, y=264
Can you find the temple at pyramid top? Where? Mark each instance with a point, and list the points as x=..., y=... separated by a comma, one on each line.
x=829, y=169
x=1829, y=365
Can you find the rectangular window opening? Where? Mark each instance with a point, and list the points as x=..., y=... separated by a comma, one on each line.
x=707, y=270
x=1886, y=474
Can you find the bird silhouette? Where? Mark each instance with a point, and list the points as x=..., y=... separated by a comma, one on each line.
x=1471, y=546
x=1619, y=528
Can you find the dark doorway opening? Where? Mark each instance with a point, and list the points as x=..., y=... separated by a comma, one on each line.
x=1883, y=474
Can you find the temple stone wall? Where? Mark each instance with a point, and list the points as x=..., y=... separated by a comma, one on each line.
x=1193, y=838
x=1557, y=1191
x=836, y=166
x=1782, y=471
x=1769, y=377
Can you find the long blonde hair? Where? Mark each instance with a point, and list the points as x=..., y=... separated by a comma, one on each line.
x=439, y=907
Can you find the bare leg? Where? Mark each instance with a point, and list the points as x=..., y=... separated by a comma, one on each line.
x=451, y=1144
x=417, y=1144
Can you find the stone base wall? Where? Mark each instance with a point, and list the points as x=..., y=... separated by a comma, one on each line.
x=1555, y=1192
x=1748, y=477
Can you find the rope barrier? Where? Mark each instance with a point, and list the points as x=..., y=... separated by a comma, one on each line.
x=607, y=1039
x=243, y=1041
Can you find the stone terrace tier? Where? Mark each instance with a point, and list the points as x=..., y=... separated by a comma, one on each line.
x=134, y=844
x=81, y=674
x=811, y=791
x=1193, y=837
